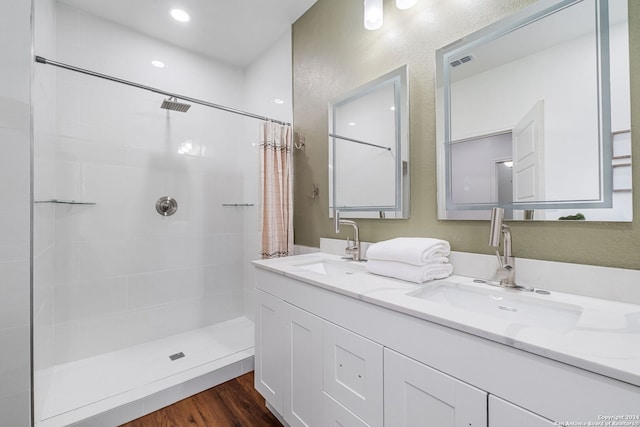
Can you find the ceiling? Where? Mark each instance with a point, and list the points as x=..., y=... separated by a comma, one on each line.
x=232, y=31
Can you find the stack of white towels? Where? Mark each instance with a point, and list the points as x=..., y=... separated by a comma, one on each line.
x=414, y=259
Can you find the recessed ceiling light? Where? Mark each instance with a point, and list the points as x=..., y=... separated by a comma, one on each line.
x=158, y=64
x=180, y=15
x=278, y=101
x=351, y=123
x=405, y=4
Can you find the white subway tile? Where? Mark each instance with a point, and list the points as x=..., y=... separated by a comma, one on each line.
x=90, y=298
x=151, y=289
x=223, y=279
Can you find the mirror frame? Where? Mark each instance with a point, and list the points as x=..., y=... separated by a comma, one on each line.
x=509, y=24
x=399, y=77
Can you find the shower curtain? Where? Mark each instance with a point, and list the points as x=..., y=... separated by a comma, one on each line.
x=277, y=189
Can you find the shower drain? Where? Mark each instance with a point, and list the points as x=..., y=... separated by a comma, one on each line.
x=176, y=356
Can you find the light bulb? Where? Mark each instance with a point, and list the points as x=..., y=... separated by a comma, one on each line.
x=405, y=4
x=180, y=15
x=372, y=14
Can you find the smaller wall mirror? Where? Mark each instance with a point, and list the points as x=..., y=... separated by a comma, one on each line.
x=369, y=149
x=533, y=115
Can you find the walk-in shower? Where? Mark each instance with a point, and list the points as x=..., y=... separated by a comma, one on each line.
x=145, y=220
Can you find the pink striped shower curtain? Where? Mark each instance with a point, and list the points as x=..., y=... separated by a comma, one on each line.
x=277, y=189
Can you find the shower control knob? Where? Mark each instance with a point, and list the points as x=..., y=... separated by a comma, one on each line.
x=166, y=206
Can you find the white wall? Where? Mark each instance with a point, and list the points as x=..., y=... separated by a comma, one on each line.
x=266, y=79
x=43, y=214
x=15, y=169
x=124, y=274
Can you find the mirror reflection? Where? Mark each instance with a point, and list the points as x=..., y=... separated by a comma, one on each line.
x=368, y=149
x=534, y=116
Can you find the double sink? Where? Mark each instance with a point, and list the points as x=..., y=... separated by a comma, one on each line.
x=529, y=309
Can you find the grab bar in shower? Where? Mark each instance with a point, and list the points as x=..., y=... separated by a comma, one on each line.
x=64, y=202
x=237, y=204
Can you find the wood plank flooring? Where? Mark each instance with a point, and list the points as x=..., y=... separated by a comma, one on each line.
x=232, y=404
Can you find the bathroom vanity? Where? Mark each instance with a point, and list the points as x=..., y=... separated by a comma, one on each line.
x=336, y=345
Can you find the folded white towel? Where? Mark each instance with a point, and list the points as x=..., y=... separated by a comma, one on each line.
x=410, y=272
x=411, y=250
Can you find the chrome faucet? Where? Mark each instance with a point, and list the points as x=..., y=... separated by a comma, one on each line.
x=506, y=272
x=353, y=250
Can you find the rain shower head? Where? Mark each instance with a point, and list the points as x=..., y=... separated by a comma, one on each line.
x=171, y=103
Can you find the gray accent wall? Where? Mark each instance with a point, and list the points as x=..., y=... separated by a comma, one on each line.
x=333, y=53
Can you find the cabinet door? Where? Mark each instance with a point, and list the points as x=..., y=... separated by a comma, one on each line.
x=505, y=414
x=352, y=373
x=416, y=395
x=269, y=348
x=303, y=368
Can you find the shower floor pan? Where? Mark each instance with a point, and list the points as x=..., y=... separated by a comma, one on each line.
x=113, y=388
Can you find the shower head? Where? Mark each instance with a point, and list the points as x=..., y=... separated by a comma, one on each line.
x=171, y=103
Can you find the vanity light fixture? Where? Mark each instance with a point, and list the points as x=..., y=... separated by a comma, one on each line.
x=372, y=14
x=405, y=4
x=180, y=15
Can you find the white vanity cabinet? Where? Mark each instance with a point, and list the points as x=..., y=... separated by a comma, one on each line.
x=269, y=349
x=505, y=414
x=328, y=359
x=288, y=364
x=334, y=414
x=315, y=373
x=353, y=373
x=417, y=395
x=302, y=367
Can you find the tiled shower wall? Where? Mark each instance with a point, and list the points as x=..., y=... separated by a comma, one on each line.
x=43, y=107
x=122, y=273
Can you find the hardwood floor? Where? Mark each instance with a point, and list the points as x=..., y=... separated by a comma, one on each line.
x=232, y=404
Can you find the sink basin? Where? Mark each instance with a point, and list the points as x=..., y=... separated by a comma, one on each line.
x=518, y=308
x=333, y=268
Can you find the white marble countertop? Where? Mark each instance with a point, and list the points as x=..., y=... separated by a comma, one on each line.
x=605, y=338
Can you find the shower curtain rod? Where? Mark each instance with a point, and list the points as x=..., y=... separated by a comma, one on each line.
x=43, y=60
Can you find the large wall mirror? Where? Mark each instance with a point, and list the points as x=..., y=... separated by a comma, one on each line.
x=534, y=116
x=369, y=149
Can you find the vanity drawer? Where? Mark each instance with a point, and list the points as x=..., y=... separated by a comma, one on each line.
x=352, y=372
x=334, y=414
